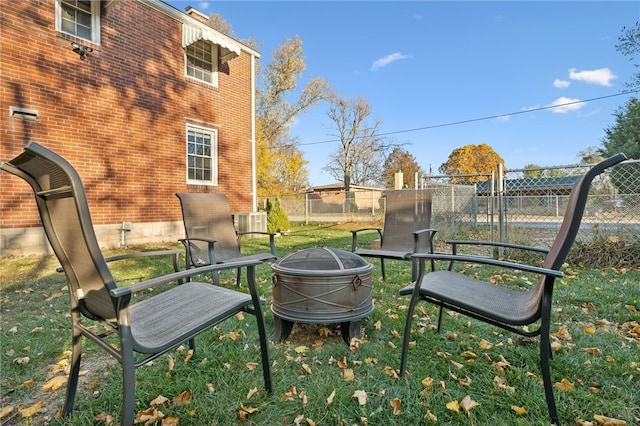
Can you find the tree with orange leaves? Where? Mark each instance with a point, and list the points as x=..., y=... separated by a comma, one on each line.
x=470, y=163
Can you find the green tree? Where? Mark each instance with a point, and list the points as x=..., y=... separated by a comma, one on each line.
x=471, y=163
x=403, y=161
x=624, y=136
x=532, y=171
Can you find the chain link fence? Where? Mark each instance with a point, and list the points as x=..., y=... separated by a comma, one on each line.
x=524, y=206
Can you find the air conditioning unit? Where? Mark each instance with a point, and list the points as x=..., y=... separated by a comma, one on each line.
x=251, y=222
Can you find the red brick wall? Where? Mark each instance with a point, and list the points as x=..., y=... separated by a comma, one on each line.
x=120, y=115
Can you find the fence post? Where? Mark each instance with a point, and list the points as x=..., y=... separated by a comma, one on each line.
x=501, y=207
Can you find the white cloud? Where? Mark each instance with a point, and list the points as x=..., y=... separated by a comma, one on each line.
x=564, y=105
x=383, y=62
x=561, y=84
x=602, y=76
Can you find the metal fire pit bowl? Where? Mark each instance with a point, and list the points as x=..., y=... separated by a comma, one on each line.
x=321, y=285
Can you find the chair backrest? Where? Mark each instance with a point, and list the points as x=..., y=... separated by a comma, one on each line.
x=209, y=215
x=406, y=211
x=573, y=214
x=64, y=213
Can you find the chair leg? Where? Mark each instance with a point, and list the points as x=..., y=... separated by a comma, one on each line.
x=384, y=273
x=76, y=355
x=264, y=348
x=440, y=318
x=128, y=378
x=238, y=276
x=545, y=354
x=407, y=331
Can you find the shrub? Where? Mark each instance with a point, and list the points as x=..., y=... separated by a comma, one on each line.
x=277, y=220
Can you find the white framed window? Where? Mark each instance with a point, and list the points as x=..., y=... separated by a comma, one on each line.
x=202, y=155
x=202, y=61
x=80, y=18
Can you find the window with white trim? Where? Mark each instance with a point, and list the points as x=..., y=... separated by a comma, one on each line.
x=202, y=61
x=202, y=155
x=80, y=18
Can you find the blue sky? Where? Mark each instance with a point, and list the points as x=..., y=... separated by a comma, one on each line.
x=432, y=71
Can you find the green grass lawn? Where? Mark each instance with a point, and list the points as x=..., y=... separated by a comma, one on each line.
x=317, y=377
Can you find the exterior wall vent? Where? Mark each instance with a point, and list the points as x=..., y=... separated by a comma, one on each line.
x=24, y=113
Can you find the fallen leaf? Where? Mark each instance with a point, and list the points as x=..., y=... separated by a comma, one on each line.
x=172, y=363
x=427, y=382
x=377, y=325
x=591, y=351
x=33, y=409
x=183, y=399
x=342, y=362
x=170, y=421
x=608, y=421
x=347, y=375
x=291, y=394
x=457, y=364
x=104, y=417
x=431, y=417
x=590, y=330
x=468, y=404
x=252, y=392
x=306, y=368
x=159, y=400
x=453, y=406
x=37, y=330
x=240, y=316
x=29, y=382
x=469, y=354
x=243, y=412
x=234, y=335
x=5, y=411
x=395, y=403
x=252, y=365
x=54, y=383
x=329, y=399
x=22, y=360
x=361, y=395
x=565, y=385
x=391, y=372
x=310, y=422
x=301, y=349
x=189, y=355
x=210, y=387
x=483, y=344
x=521, y=411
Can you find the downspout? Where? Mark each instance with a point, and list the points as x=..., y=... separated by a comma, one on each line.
x=254, y=184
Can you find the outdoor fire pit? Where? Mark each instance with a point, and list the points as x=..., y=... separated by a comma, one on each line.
x=321, y=285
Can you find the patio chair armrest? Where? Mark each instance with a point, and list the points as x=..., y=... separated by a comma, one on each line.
x=178, y=276
x=202, y=239
x=487, y=261
x=272, y=242
x=429, y=232
x=455, y=243
x=354, y=235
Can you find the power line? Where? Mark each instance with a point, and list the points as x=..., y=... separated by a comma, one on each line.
x=471, y=120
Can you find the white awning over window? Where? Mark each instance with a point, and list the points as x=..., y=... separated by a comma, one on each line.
x=229, y=49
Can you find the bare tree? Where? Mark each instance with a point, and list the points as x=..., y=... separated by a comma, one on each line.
x=275, y=114
x=359, y=158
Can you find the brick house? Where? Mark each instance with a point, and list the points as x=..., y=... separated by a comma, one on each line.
x=143, y=99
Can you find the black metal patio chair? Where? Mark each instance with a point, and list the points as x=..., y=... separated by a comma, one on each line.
x=144, y=329
x=406, y=229
x=211, y=236
x=504, y=307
